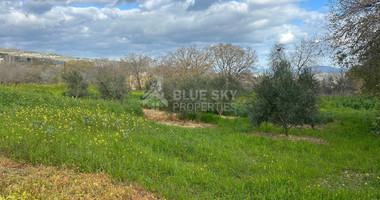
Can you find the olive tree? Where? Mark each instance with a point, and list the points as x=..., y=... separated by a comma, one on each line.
x=283, y=100
x=76, y=85
x=111, y=84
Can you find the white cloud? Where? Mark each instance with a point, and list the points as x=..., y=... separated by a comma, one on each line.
x=155, y=27
x=286, y=38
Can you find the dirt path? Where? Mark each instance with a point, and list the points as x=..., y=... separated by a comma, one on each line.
x=21, y=181
x=172, y=119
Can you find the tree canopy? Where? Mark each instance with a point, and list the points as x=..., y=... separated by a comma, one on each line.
x=286, y=101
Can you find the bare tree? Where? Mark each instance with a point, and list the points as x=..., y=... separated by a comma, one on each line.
x=354, y=29
x=189, y=60
x=231, y=60
x=163, y=67
x=137, y=65
x=100, y=62
x=355, y=37
x=305, y=54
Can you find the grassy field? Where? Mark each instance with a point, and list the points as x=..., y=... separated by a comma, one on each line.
x=41, y=126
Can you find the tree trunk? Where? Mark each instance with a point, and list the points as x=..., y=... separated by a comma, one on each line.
x=138, y=82
x=286, y=131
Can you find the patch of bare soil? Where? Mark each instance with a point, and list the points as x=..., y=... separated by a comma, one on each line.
x=21, y=181
x=172, y=119
x=292, y=137
x=228, y=117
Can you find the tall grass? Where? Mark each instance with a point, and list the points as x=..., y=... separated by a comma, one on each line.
x=39, y=125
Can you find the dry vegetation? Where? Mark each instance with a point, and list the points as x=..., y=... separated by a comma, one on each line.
x=172, y=119
x=20, y=181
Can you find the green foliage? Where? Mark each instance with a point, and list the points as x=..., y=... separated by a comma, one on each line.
x=376, y=126
x=210, y=118
x=242, y=104
x=76, y=85
x=359, y=102
x=186, y=84
x=366, y=77
x=307, y=111
x=285, y=101
x=325, y=117
x=202, y=117
x=191, y=116
x=223, y=83
x=112, y=87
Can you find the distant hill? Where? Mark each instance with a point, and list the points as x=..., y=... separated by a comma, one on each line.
x=329, y=69
x=32, y=54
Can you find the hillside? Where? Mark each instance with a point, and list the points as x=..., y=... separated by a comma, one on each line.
x=32, y=54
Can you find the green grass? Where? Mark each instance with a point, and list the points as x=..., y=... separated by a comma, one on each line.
x=40, y=125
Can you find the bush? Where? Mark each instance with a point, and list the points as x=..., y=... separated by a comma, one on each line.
x=223, y=83
x=210, y=118
x=113, y=87
x=359, y=102
x=76, y=85
x=243, y=105
x=202, y=117
x=183, y=84
x=324, y=118
x=282, y=100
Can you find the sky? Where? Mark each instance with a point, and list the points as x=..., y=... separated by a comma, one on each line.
x=114, y=28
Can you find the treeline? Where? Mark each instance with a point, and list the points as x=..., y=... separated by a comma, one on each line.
x=141, y=71
x=226, y=59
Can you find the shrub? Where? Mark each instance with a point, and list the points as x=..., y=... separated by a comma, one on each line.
x=223, y=83
x=199, y=116
x=76, y=85
x=282, y=100
x=210, y=118
x=183, y=84
x=113, y=87
x=359, y=102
